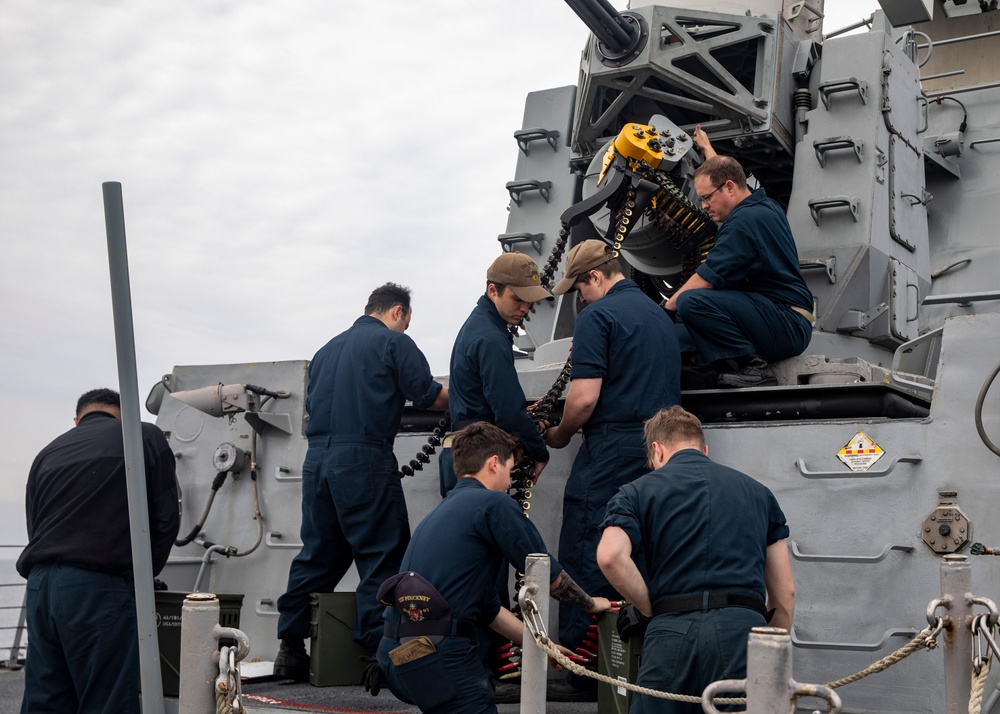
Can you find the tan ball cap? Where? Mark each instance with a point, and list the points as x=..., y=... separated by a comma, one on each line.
x=584, y=257
x=518, y=272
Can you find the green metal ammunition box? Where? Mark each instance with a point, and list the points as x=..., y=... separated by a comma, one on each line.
x=616, y=659
x=334, y=655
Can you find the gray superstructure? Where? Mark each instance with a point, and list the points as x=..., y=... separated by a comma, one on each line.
x=870, y=441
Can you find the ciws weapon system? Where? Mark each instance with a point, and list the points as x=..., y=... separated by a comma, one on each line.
x=879, y=441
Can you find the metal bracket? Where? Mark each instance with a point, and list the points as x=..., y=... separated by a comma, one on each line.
x=922, y=200
x=816, y=205
x=525, y=136
x=843, y=85
x=509, y=240
x=907, y=632
x=830, y=265
x=283, y=473
x=838, y=142
x=272, y=538
x=804, y=470
x=806, y=557
x=516, y=188
x=266, y=602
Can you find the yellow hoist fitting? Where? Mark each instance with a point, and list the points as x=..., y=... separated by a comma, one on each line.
x=636, y=142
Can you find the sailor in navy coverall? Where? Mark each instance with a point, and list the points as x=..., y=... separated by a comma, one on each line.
x=626, y=366
x=84, y=651
x=711, y=542
x=352, y=500
x=482, y=377
x=748, y=301
x=458, y=548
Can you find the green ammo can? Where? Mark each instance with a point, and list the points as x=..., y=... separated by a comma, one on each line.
x=616, y=659
x=169, y=604
x=334, y=655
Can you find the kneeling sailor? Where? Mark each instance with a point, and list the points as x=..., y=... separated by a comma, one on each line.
x=446, y=589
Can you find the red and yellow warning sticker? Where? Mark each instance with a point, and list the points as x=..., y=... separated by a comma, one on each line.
x=860, y=453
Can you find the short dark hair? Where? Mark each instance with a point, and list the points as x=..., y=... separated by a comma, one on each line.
x=608, y=269
x=720, y=169
x=387, y=297
x=473, y=446
x=103, y=397
x=499, y=286
x=675, y=425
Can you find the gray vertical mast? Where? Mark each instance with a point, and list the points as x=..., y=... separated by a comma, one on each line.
x=135, y=468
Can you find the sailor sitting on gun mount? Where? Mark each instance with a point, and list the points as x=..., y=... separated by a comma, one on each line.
x=428, y=653
x=748, y=301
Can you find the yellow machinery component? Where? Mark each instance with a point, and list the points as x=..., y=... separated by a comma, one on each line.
x=636, y=142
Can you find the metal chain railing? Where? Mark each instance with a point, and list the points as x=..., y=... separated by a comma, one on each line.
x=534, y=623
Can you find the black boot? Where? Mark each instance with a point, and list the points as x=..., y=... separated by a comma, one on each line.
x=753, y=372
x=292, y=660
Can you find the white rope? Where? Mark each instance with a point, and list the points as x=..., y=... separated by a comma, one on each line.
x=923, y=639
x=978, y=684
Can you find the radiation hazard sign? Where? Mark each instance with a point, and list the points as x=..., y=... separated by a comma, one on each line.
x=860, y=453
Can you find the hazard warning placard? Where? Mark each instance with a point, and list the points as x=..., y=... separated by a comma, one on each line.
x=860, y=453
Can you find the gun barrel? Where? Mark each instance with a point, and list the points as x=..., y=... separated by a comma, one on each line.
x=605, y=22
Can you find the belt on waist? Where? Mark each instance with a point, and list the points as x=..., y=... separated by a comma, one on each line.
x=330, y=440
x=805, y=313
x=709, y=601
x=614, y=427
x=459, y=425
x=453, y=628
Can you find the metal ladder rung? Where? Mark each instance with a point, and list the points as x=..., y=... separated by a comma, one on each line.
x=525, y=136
x=509, y=240
x=836, y=143
x=516, y=188
x=843, y=85
x=817, y=205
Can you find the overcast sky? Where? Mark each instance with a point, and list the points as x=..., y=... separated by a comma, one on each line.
x=277, y=161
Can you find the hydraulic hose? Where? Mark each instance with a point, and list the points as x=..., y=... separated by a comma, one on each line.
x=220, y=478
x=979, y=411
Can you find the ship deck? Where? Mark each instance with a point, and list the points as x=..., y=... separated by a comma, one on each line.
x=271, y=696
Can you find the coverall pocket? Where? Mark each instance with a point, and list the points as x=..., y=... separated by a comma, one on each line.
x=666, y=651
x=428, y=681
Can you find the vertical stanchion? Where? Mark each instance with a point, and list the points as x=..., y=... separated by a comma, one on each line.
x=199, y=618
x=533, y=660
x=769, y=686
x=769, y=671
x=135, y=468
x=956, y=589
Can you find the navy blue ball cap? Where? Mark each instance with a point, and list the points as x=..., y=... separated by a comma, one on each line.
x=414, y=597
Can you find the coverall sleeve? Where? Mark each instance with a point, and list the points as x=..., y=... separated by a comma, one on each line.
x=161, y=492
x=506, y=398
x=413, y=374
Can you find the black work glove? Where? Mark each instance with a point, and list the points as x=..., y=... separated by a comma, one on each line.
x=631, y=622
x=371, y=678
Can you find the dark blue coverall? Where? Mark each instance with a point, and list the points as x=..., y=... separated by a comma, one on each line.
x=627, y=341
x=483, y=386
x=699, y=527
x=754, y=271
x=352, y=501
x=458, y=548
x=84, y=650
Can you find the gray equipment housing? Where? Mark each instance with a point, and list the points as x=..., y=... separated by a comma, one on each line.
x=855, y=139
